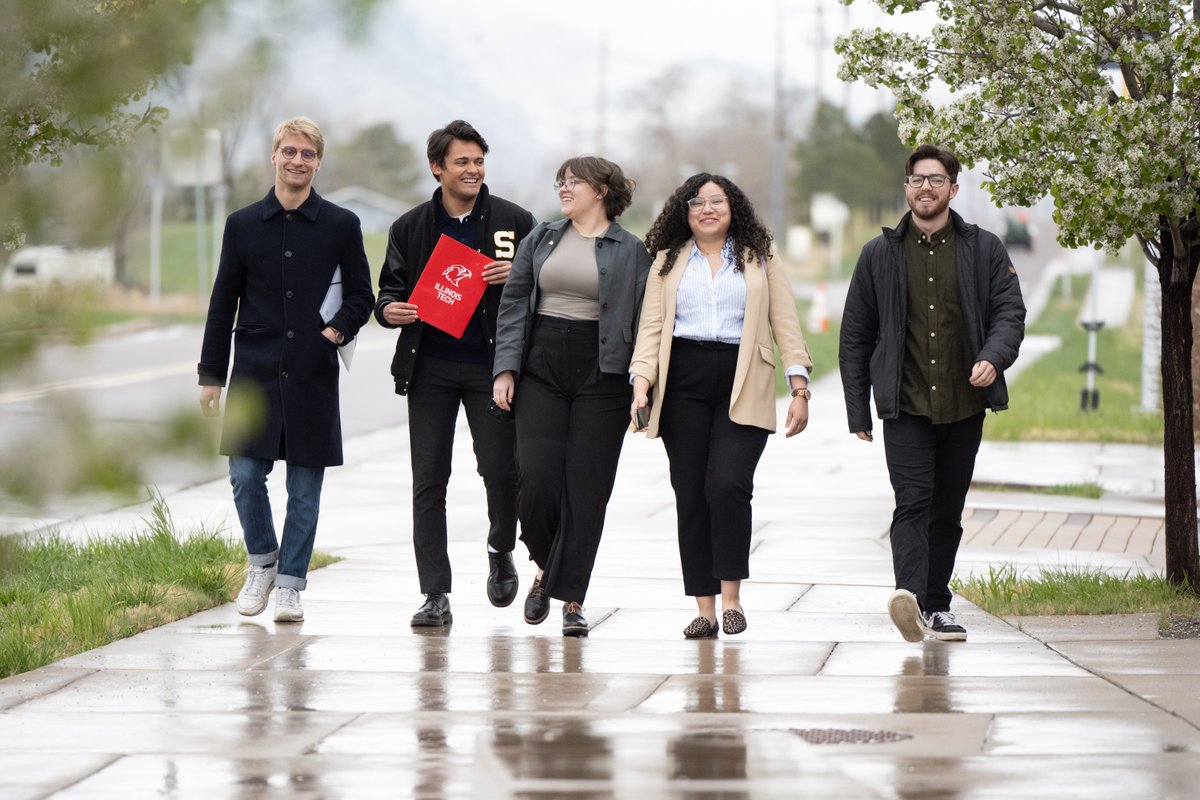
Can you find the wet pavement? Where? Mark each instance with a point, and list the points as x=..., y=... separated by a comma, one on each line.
x=820, y=697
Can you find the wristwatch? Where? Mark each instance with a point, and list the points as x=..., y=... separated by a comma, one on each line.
x=803, y=392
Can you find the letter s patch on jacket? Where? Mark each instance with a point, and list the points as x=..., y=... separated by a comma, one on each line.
x=505, y=242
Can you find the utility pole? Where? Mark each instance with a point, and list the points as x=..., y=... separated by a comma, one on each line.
x=779, y=171
x=601, y=92
x=818, y=51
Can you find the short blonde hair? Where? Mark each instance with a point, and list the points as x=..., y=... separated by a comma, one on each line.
x=300, y=126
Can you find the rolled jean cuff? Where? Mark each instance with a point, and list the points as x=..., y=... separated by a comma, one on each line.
x=263, y=559
x=291, y=582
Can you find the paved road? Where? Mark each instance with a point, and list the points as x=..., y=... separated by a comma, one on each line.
x=129, y=387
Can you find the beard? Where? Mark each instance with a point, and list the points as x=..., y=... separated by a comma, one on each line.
x=933, y=211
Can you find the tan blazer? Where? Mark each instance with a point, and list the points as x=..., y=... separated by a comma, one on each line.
x=770, y=312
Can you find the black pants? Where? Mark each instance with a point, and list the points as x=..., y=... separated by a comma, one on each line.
x=930, y=467
x=438, y=387
x=712, y=460
x=571, y=423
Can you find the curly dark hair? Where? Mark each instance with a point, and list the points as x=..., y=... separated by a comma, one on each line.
x=671, y=230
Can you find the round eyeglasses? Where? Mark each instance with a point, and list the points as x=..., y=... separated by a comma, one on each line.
x=290, y=152
x=569, y=183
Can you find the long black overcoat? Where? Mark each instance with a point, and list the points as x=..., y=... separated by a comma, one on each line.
x=275, y=270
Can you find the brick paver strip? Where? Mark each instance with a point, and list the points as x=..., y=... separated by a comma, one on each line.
x=1093, y=533
x=995, y=528
x=973, y=521
x=1116, y=539
x=1010, y=535
x=1143, y=536
x=1022, y=527
x=1042, y=532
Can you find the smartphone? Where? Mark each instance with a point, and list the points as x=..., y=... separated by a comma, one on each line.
x=498, y=412
x=642, y=417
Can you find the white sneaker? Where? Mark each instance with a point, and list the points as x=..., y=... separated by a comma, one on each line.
x=252, y=599
x=287, y=605
x=906, y=615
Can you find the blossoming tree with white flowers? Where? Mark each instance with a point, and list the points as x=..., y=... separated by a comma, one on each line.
x=1097, y=104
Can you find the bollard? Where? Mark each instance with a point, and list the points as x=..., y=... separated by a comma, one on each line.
x=1089, y=396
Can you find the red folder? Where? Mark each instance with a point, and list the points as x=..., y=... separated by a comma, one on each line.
x=449, y=289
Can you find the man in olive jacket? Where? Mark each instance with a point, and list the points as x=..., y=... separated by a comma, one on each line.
x=278, y=275
x=933, y=317
x=439, y=372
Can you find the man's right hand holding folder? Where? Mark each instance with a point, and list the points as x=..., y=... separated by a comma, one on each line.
x=399, y=313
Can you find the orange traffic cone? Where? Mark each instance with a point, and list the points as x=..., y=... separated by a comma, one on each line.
x=818, y=312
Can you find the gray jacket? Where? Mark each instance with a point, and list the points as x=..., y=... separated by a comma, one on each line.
x=623, y=263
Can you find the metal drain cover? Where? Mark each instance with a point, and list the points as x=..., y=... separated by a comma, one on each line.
x=848, y=736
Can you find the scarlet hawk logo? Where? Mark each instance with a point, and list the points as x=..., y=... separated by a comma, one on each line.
x=455, y=273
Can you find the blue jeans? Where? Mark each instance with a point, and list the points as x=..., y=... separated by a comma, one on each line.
x=249, y=479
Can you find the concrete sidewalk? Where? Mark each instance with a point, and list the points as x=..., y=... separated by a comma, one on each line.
x=819, y=698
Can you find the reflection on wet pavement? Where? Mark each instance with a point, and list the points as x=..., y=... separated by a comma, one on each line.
x=818, y=699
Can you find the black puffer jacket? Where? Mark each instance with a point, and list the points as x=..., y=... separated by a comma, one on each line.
x=871, y=349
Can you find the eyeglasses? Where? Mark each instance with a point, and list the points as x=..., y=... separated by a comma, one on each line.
x=935, y=181
x=290, y=152
x=697, y=203
x=569, y=183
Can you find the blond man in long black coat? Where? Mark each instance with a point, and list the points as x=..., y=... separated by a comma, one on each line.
x=292, y=287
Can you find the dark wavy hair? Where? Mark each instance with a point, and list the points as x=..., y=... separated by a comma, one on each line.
x=671, y=230
x=438, y=144
x=948, y=160
x=600, y=173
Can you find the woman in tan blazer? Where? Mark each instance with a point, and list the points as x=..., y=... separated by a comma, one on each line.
x=716, y=303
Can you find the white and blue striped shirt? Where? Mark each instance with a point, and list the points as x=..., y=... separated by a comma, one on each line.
x=712, y=308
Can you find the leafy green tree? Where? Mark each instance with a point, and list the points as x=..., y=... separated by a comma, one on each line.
x=376, y=158
x=881, y=132
x=855, y=164
x=76, y=72
x=1034, y=98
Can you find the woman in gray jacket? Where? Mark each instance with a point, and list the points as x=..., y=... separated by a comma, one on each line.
x=564, y=339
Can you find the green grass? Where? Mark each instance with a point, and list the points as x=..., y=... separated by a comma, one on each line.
x=1089, y=489
x=1069, y=591
x=60, y=597
x=1044, y=399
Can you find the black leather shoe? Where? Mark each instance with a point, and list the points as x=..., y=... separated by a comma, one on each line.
x=537, y=605
x=435, y=613
x=573, y=622
x=502, y=579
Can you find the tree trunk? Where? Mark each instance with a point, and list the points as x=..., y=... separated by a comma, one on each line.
x=1179, y=445
x=1195, y=355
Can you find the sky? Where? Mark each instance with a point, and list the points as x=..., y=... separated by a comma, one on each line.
x=544, y=80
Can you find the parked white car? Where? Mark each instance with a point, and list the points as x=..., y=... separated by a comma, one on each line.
x=44, y=266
